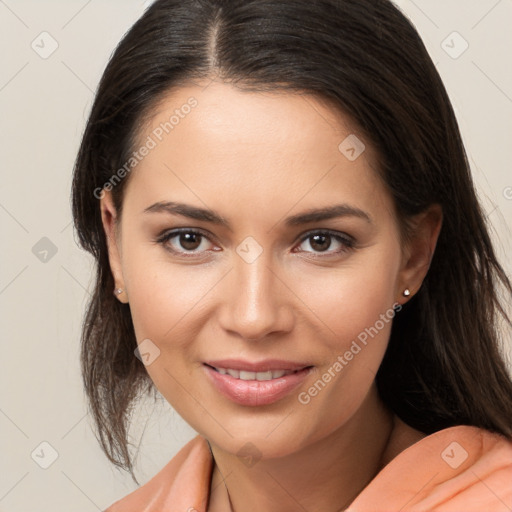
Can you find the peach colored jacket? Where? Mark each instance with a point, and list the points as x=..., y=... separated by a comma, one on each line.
x=459, y=469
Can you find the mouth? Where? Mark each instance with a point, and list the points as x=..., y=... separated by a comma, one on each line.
x=259, y=376
x=256, y=384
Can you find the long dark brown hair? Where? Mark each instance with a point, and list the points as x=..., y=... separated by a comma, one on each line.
x=443, y=366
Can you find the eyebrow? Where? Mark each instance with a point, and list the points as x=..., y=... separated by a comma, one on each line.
x=309, y=216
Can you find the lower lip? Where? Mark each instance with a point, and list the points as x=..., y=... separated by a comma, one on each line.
x=256, y=392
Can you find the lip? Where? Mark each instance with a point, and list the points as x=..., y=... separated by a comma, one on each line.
x=253, y=392
x=260, y=366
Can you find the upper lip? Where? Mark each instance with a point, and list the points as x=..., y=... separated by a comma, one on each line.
x=260, y=366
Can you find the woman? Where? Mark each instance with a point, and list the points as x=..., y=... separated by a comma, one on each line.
x=291, y=251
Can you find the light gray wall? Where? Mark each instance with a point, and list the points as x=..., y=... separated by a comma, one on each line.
x=44, y=103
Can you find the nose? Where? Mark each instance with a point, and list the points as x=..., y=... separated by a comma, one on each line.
x=257, y=301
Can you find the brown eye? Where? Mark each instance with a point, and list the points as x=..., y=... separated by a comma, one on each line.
x=186, y=242
x=190, y=241
x=330, y=243
x=320, y=242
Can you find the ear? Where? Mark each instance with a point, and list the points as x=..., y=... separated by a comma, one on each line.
x=111, y=227
x=419, y=250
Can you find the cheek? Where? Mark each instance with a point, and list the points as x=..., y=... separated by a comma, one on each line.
x=352, y=351
x=349, y=300
x=162, y=294
x=353, y=308
x=167, y=307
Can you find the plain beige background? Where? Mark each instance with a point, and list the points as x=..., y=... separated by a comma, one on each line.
x=44, y=277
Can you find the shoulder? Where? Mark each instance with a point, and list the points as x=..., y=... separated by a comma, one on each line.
x=458, y=468
x=183, y=484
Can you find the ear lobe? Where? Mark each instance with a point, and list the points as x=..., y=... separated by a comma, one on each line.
x=111, y=228
x=419, y=252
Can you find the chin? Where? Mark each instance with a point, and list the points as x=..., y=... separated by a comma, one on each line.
x=265, y=439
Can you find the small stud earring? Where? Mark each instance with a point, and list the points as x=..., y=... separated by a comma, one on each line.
x=118, y=291
x=407, y=292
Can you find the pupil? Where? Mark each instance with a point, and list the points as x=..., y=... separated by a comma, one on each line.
x=321, y=242
x=189, y=241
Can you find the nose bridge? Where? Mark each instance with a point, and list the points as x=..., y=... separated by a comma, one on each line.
x=257, y=305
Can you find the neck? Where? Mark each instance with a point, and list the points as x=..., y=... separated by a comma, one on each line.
x=323, y=476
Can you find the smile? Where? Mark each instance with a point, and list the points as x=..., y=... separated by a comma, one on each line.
x=256, y=384
x=246, y=375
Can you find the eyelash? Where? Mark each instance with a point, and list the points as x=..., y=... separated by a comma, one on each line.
x=347, y=241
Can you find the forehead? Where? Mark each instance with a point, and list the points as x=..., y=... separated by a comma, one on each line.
x=225, y=113
x=219, y=142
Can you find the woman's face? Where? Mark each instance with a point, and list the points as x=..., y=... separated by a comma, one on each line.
x=285, y=272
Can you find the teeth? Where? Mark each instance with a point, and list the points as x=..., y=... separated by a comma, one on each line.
x=264, y=375
x=244, y=375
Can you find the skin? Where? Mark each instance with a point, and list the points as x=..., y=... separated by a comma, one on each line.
x=257, y=159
